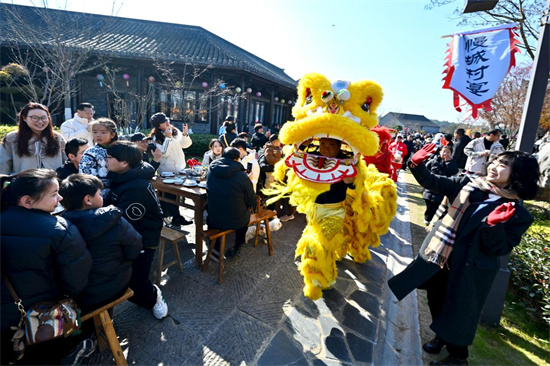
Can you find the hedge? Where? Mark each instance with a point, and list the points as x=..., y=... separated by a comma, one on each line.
x=197, y=150
x=530, y=266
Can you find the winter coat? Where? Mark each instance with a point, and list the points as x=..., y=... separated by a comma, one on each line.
x=226, y=138
x=209, y=157
x=113, y=244
x=436, y=165
x=267, y=158
x=77, y=127
x=11, y=162
x=458, y=155
x=477, y=163
x=474, y=261
x=258, y=141
x=399, y=151
x=94, y=162
x=173, y=157
x=67, y=169
x=251, y=158
x=43, y=256
x=133, y=193
x=230, y=195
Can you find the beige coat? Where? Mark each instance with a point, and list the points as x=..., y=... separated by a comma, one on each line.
x=11, y=163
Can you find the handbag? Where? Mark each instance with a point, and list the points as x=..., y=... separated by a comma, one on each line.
x=46, y=320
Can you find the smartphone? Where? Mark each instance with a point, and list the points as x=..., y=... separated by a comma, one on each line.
x=248, y=168
x=151, y=147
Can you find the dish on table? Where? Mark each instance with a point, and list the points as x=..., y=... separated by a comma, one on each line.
x=167, y=174
x=178, y=182
x=202, y=184
x=190, y=183
x=168, y=181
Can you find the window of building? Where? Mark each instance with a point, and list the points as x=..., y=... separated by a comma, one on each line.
x=184, y=105
x=257, y=112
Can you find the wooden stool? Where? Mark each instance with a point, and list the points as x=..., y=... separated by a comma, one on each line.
x=172, y=236
x=104, y=328
x=212, y=235
x=256, y=219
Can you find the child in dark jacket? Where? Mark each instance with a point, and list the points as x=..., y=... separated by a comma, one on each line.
x=133, y=193
x=111, y=240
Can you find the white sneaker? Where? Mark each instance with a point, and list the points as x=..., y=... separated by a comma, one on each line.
x=160, y=310
x=286, y=218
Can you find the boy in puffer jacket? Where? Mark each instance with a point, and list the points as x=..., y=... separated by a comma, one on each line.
x=111, y=240
x=133, y=193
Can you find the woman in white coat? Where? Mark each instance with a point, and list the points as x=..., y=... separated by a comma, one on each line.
x=171, y=142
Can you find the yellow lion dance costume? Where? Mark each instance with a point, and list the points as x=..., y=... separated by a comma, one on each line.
x=343, y=111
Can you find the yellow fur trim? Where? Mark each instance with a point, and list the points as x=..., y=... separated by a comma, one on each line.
x=331, y=125
x=369, y=208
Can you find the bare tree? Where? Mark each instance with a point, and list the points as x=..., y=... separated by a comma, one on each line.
x=526, y=13
x=53, y=47
x=509, y=98
x=185, y=80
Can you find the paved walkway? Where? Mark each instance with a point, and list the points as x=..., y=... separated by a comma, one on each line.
x=259, y=316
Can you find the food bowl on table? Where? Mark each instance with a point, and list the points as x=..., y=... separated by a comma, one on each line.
x=190, y=183
x=167, y=174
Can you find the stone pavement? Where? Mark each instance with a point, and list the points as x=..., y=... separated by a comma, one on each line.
x=259, y=315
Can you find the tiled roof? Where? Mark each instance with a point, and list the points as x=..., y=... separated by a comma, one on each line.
x=413, y=119
x=142, y=39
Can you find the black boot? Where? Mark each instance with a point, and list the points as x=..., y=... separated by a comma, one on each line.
x=450, y=360
x=434, y=346
x=233, y=252
x=180, y=221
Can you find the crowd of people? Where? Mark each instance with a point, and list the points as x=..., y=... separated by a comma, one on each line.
x=105, y=238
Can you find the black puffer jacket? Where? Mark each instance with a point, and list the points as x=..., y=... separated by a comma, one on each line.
x=43, y=256
x=113, y=244
x=230, y=195
x=134, y=194
x=258, y=141
x=438, y=166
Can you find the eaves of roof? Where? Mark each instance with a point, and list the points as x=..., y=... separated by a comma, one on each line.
x=139, y=39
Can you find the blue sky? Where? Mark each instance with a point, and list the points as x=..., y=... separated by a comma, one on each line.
x=397, y=44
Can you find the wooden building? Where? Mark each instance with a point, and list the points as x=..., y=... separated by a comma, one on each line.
x=140, y=67
x=409, y=122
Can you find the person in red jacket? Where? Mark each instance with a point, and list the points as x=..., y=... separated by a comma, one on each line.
x=399, y=150
x=383, y=158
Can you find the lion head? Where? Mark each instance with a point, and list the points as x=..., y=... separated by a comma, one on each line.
x=342, y=111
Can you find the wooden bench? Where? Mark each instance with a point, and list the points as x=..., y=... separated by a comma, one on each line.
x=172, y=236
x=213, y=234
x=104, y=330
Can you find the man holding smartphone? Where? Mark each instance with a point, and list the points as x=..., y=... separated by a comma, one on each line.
x=151, y=154
x=253, y=170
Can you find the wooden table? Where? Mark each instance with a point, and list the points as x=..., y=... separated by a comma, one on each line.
x=197, y=195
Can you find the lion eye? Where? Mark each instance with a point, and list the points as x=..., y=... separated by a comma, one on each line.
x=366, y=105
x=309, y=96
